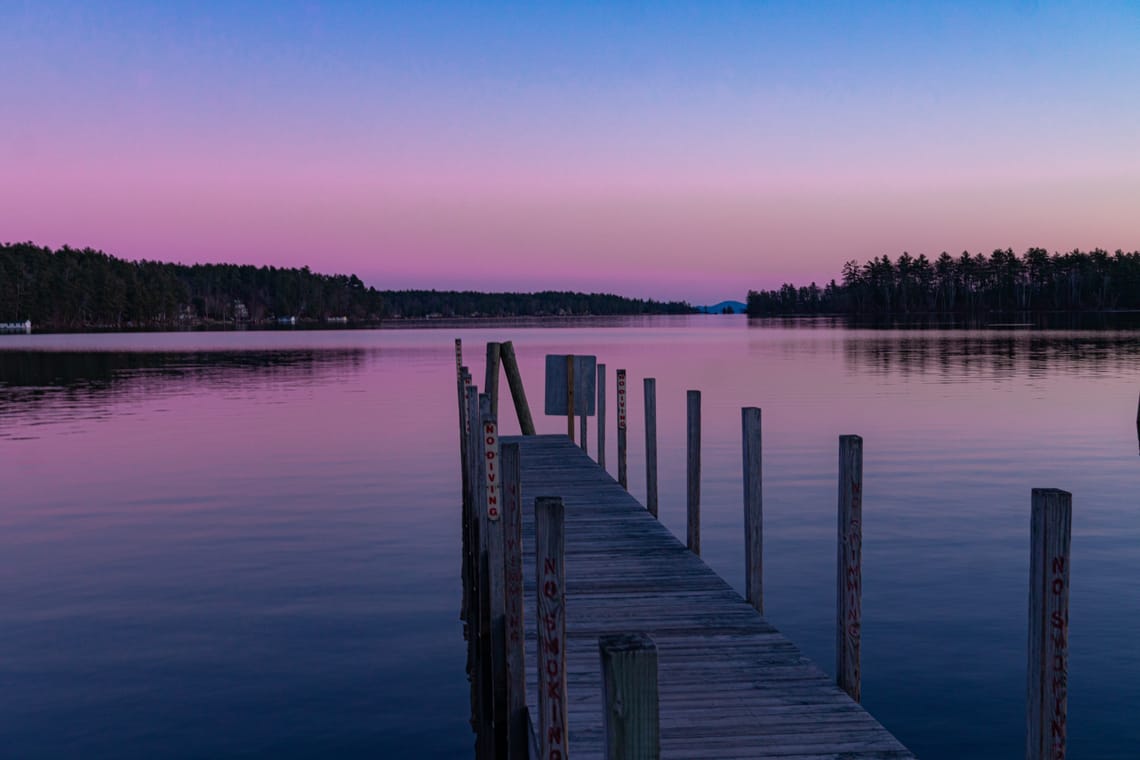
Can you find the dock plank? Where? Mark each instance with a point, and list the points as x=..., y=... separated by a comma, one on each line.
x=731, y=686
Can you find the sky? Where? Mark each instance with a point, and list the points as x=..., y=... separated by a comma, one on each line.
x=688, y=150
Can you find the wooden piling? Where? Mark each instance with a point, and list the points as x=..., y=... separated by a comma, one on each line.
x=601, y=416
x=491, y=383
x=492, y=524
x=1048, y=671
x=582, y=431
x=753, y=509
x=651, y=445
x=849, y=566
x=623, y=472
x=515, y=383
x=517, y=720
x=570, y=396
x=550, y=572
x=693, y=473
x=629, y=696
x=465, y=508
x=477, y=645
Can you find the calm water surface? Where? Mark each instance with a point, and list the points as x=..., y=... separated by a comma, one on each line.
x=242, y=544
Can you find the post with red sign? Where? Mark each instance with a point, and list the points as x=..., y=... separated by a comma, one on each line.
x=515, y=632
x=550, y=572
x=1048, y=672
x=494, y=593
x=651, y=445
x=753, y=510
x=602, y=416
x=849, y=568
x=623, y=472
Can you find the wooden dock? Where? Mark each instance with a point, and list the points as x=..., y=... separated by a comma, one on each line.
x=730, y=685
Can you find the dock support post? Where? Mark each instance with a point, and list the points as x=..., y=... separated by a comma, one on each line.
x=602, y=416
x=629, y=696
x=518, y=392
x=491, y=384
x=622, y=434
x=651, y=445
x=582, y=430
x=550, y=569
x=517, y=730
x=570, y=396
x=477, y=642
x=753, y=509
x=693, y=473
x=492, y=524
x=849, y=567
x=1048, y=671
x=465, y=517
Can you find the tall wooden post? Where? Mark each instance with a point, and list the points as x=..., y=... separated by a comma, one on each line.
x=849, y=567
x=623, y=472
x=570, y=396
x=516, y=636
x=477, y=644
x=693, y=473
x=518, y=392
x=651, y=445
x=550, y=572
x=492, y=523
x=491, y=384
x=1048, y=671
x=582, y=430
x=465, y=516
x=753, y=509
x=629, y=696
x=602, y=416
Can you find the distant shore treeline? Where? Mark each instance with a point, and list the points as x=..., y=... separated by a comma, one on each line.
x=71, y=288
x=966, y=284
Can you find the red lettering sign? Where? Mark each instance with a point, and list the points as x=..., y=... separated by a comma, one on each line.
x=491, y=441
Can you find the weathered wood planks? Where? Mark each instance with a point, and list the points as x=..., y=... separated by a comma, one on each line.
x=729, y=684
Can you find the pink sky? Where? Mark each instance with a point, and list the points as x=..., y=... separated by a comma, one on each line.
x=693, y=160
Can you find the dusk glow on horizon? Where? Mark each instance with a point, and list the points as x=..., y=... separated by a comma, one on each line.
x=679, y=150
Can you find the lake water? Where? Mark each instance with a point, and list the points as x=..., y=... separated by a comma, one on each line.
x=247, y=543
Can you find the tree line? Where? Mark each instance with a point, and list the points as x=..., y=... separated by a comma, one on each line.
x=1036, y=281
x=73, y=288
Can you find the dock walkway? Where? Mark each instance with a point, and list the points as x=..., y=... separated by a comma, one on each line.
x=730, y=685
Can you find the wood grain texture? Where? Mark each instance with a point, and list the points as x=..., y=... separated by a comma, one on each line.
x=491, y=381
x=753, y=508
x=693, y=471
x=550, y=627
x=1048, y=669
x=494, y=544
x=518, y=391
x=729, y=684
x=629, y=696
x=849, y=566
x=622, y=434
x=517, y=730
x=601, y=416
x=651, y=445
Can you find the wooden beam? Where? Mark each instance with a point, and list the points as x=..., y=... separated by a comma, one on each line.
x=515, y=383
x=651, y=445
x=629, y=696
x=753, y=509
x=849, y=566
x=693, y=471
x=1048, y=671
x=550, y=574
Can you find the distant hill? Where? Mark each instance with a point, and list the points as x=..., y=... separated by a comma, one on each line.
x=724, y=307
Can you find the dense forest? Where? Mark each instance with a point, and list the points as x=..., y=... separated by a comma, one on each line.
x=1002, y=282
x=70, y=288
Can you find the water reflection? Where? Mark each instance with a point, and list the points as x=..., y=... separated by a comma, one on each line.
x=961, y=354
x=60, y=384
